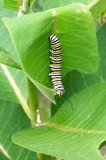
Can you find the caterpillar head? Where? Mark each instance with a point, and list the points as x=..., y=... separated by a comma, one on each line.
x=59, y=93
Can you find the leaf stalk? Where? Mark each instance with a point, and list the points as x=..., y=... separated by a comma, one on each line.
x=24, y=9
x=33, y=101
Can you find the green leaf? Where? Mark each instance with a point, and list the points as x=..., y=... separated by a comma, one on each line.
x=6, y=59
x=56, y=3
x=78, y=81
x=71, y=133
x=13, y=119
x=15, y=4
x=97, y=7
x=5, y=40
x=1, y=3
x=2, y=156
x=76, y=31
x=12, y=4
x=38, y=6
x=6, y=89
x=101, y=36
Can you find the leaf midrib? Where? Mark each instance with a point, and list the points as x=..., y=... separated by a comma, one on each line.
x=63, y=128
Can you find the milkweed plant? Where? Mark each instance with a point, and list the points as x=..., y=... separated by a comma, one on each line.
x=52, y=79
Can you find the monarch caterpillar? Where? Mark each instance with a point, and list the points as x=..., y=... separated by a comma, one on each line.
x=55, y=66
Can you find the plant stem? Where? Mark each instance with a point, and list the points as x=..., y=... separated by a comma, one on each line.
x=24, y=9
x=41, y=156
x=26, y=4
x=97, y=7
x=33, y=101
